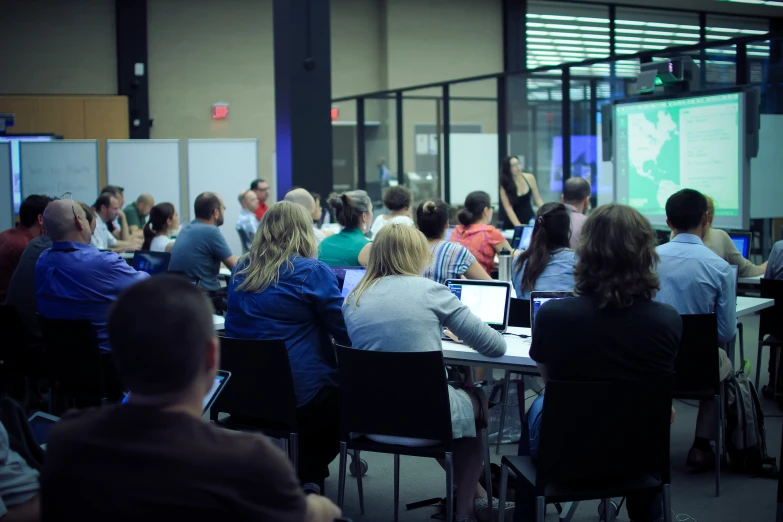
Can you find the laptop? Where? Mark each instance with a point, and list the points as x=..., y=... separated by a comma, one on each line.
x=742, y=241
x=521, y=238
x=41, y=424
x=538, y=299
x=151, y=262
x=489, y=300
x=348, y=277
x=221, y=379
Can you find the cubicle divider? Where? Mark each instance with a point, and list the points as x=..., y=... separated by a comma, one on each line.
x=6, y=188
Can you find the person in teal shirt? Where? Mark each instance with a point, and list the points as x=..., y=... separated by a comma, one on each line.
x=353, y=210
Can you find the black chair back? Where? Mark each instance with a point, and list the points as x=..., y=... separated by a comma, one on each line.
x=771, y=320
x=519, y=313
x=245, y=239
x=261, y=389
x=697, y=365
x=373, y=398
x=604, y=431
x=12, y=349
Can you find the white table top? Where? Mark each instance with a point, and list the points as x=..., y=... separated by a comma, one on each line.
x=126, y=255
x=516, y=358
x=755, y=280
x=751, y=305
x=219, y=321
x=224, y=272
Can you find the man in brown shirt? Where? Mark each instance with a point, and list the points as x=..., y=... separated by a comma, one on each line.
x=14, y=240
x=154, y=458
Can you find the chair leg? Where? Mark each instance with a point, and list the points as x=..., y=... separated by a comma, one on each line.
x=449, y=487
x=503, y=403
x=540, y=509
x=758, y=365
x=293, y=450
x=502, y=495
x=359, y=484
x=568, y=511
x=719, y=441
x=396, y=488
x=341, y=478
x=667, y=504
x=487, y=465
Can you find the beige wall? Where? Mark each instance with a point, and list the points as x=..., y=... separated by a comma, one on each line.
x=58, y=47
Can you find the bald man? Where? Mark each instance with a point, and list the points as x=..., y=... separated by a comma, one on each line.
x=75, y=280
x=247, y=222
x=576, y=197
x=136, y=213
x=302, y=197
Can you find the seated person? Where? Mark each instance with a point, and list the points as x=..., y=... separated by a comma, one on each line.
x=14, y=240
x=154, y=458
x=19, y=498
x=694, y=280
x=21, y=289
x=576, y=198
x=720, y=242
x=414, y=311
x=612, y=330
x=775, y=262
x=302, y=197
x=449, y=260
x=107, y=209
x=474, y=231
x=119, y=225
x=285, y=293
x=353, y=210
x=136, y=213
x=200, y=247
x=74, y=280
x=398, y=201
x=157, y=231
x=247, y=222
x=548, y=265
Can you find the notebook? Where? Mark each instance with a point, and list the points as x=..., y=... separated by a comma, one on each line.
x=489, y=300
x=348, y=277
x=538, y=299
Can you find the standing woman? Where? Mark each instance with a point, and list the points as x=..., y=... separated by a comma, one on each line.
x=474, y=231
x=353, y=210
x=157, y=231
x=517, y=191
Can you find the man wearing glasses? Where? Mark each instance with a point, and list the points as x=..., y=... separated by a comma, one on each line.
x=261, y=188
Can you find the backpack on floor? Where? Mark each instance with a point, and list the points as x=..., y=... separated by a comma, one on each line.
x=746, y=437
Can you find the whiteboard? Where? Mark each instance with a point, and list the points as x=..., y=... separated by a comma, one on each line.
x=6, y=188
x=145, y=166
x=226, y=167
x=474, y=166
x=53, y=168
x=766, y=181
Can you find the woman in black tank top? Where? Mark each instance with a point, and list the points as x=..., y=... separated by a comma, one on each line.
x=516, y=209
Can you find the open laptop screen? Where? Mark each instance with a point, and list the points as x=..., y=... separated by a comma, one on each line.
x=538, y=299
x=522, y=235
x=348, y=277
x=489, y=300
x=742, y=242
x=151, y=262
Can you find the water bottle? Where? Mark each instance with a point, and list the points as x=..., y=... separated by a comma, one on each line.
x=504, y=265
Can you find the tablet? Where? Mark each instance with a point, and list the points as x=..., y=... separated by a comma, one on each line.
x=41, y=424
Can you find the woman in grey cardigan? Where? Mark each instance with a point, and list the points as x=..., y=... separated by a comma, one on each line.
x=394, y=309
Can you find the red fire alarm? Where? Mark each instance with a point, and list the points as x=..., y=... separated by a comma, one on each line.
x=220, y=111
x=335, y=113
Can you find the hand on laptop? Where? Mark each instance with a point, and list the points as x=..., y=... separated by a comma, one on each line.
x=448, y=333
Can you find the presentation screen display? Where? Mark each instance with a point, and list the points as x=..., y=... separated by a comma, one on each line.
x=698, y=142
x=15, y=162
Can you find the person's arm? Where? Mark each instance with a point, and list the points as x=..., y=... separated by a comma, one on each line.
x=230, y=262
x=734, y=257
x=464, y=324
x=499, y=242
x=123, y=221
x=543, y=371
x=220, y=250
x=321, y=509
x=169, y=247
x=726, y=307
x=322, y=290
x=364, y=255
x=775, y=259
x=476, y=271
x=130, y=245
x=531, y=179
x=512, y=216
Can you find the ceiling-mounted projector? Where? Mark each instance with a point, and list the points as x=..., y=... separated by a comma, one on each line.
x=672, y=75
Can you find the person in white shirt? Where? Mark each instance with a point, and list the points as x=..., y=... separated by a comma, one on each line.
x=157, y=231
x=302, y=197
x=107, y=208
x=398, y=201
x=247, y=223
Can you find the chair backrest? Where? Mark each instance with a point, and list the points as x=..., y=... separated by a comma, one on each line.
x=13, y=346
x=604, y=430
x=261, y=387
x=72, y=355
x=374, y=400
x=519, y=313
x=697, y=365
x=771, y=321
x=245, y=239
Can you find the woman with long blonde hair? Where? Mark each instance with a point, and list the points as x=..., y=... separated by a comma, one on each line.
x=395, y=309
x=279, y=290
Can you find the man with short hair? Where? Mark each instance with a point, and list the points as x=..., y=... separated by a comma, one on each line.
x=136, y=213
x=200, y=247
x=775, y=262
x=694, y=280
x=247, y=223
x=107, y=208
x=119, y=225
x=14, y=240
x=74, y=280
x=302, y=197
x=154, y=458
x=261, y=188
x=576, y=197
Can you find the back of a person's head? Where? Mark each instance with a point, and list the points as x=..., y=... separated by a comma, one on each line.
x=205, y=205
x=710, y=208
x=88, y=213
x=397, y=249
x=59, y=221
x=32, y=207
x=104, y=200
x=575, y=190
x=349, y=206
x=685, y=209
x=158, y=221
x=285, y=232
x=114, y=190
x=255, y=182
x=475, y=204
x=552, y=231
x=159, y=331
x=432, y=218
x=397, y=198
x=616, y=257
x=301, y=197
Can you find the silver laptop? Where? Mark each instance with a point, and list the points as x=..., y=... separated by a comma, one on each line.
x=538, y=299
x=489, y=300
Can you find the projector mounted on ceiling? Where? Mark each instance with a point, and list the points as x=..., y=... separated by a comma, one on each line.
x=673, y=75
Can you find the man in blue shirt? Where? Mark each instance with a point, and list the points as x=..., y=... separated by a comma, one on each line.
x=694, y=280
x=73, y=279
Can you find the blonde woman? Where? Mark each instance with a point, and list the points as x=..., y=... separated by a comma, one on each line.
x=280, y=291
x=394, y=309
x=720, y=242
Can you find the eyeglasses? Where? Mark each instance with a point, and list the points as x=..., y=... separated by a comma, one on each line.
x=66, y=195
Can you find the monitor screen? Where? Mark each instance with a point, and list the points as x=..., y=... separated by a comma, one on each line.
x=488, y=301
x=348, y=277
x=742, y=242
x=538, y=299
x=151, y=262
x=15, y=180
